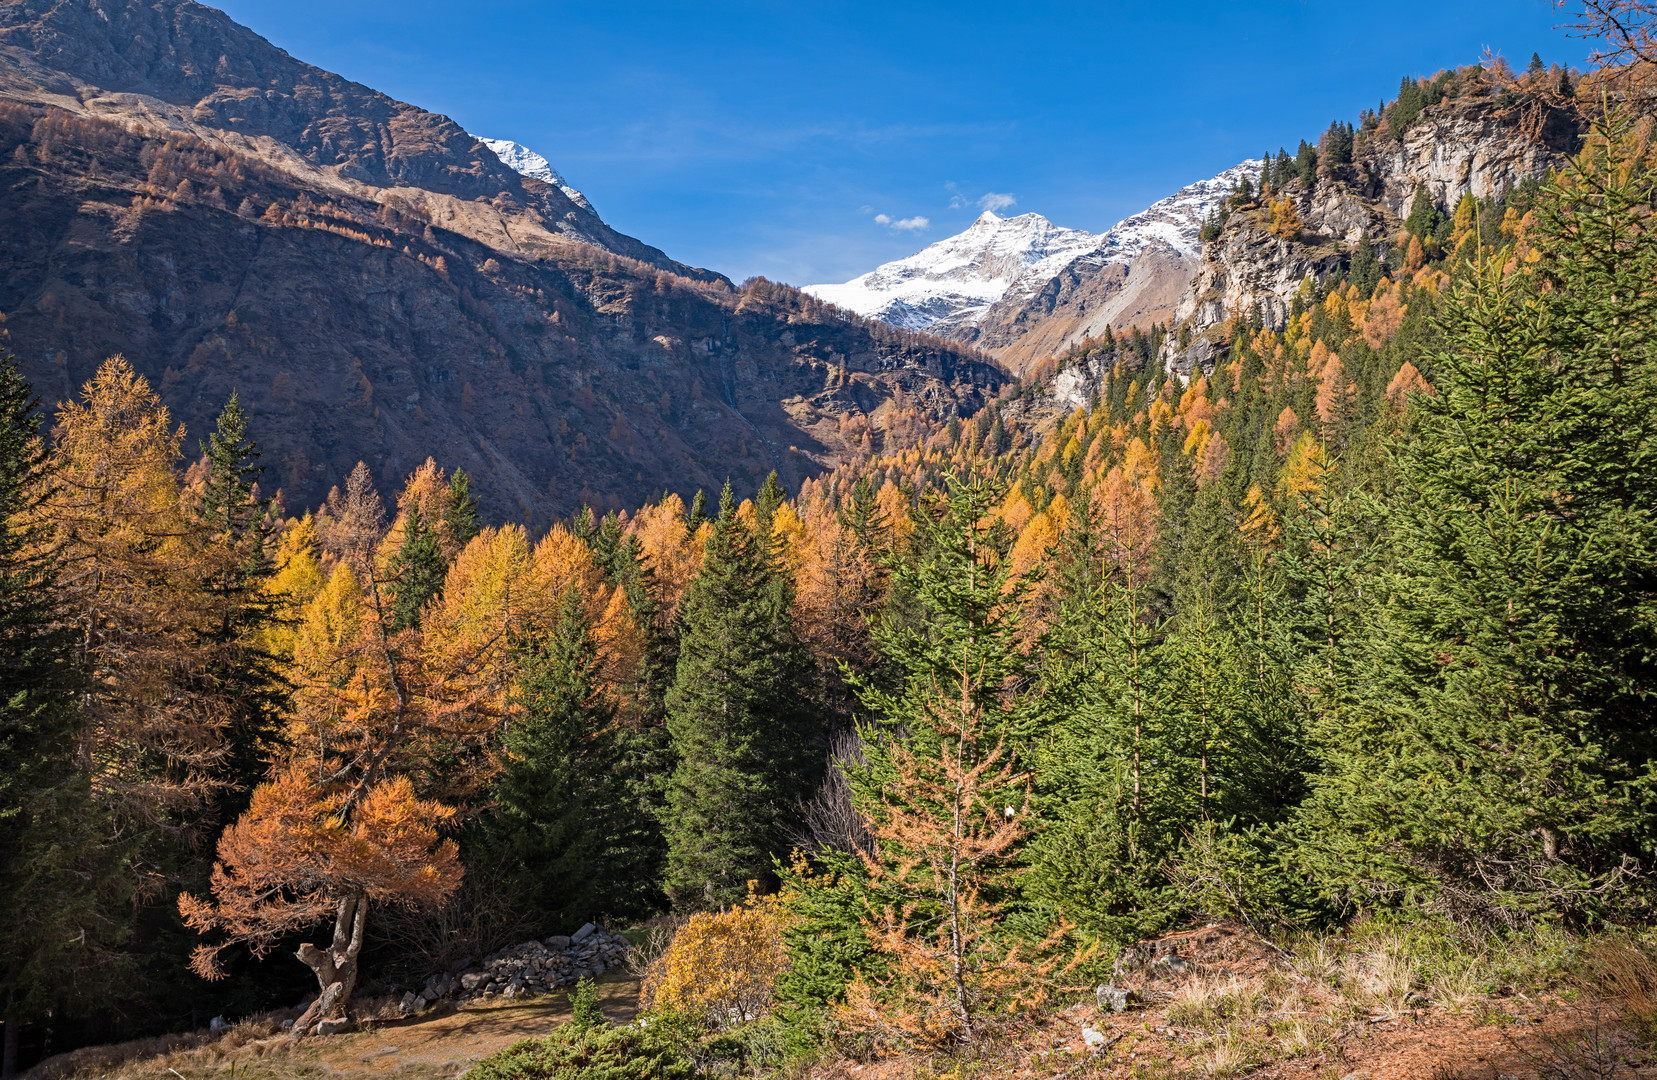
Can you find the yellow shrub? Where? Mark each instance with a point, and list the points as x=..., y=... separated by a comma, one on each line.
x=722, y=967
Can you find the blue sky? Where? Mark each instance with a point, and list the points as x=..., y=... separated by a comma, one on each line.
x=804, y=141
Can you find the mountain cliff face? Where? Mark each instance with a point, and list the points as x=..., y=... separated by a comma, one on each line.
x=379, y=285
x=1024, y=289
x=1453, y=148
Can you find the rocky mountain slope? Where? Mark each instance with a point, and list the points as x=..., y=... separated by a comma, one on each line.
x=1478, y=145
x=377, y=284
x=1024, y=289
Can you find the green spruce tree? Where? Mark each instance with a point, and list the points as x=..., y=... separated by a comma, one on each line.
x=741, y=721
x=576, y=841
x=59, y=911
x=418, y=568
x=1495, y=757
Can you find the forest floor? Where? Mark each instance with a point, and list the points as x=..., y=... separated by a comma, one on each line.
x=1214, y=1002
x=1218, y=1002
x=437, y=1044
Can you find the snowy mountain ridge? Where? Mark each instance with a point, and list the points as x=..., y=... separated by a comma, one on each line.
x=948, y=286
x=521, y=159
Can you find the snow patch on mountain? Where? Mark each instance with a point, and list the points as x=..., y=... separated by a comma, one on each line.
x=521, y=159
x=955, y=281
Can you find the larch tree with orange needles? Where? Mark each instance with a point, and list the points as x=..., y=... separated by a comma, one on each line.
x=342, y=826
x=943, y=792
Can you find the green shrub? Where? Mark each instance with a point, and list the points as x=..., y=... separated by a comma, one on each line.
x=585, y=1011
x=594, y=1053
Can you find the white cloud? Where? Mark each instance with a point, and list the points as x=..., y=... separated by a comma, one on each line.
x=908, y=224
x=959, y=202
x=996, y=200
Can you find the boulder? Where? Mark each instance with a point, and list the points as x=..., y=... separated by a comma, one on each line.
x=473, y=979
x=333, y=1027
x=586, y=931
x=1116, y=998
x=218, y=1025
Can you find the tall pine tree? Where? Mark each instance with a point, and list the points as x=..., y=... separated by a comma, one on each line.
x=740, y=718
x=577, y=842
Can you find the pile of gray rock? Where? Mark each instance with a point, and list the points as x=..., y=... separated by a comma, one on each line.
x=532, y=967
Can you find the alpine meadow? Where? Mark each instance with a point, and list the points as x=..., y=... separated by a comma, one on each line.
x=441, y=635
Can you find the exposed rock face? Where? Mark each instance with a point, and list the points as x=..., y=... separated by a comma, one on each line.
x=1247, y=265
x=378, y=320
x=1455, y=149
x=1080, y=301
x=1452, y=149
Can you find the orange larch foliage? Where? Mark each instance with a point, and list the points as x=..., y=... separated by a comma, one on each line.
x=1407, y=381
x=131, y=580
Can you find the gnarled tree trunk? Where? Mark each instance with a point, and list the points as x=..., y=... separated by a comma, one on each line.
x=336, y=966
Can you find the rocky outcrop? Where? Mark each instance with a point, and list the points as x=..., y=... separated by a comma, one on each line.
x=1080, y=301
x=1248, y=266
x=1456, y=148
x=525, y=970
x=1452, y=149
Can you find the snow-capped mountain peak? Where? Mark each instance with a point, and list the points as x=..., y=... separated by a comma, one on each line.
x=524, y=161
x=951, y=284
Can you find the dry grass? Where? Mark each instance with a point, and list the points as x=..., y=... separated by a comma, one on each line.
x=1385, y=975
x=1231, y=1056
x=1456, y=991
x=1209, y=1003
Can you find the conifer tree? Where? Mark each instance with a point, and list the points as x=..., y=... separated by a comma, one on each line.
x=418, y=568
x=578, y=843
x=239, y=541
x=698, y=511
x=1103, y=801
x=460, y=518
x=1496, y=762
x=740, y=721
x=55, y=917
x=942, y=793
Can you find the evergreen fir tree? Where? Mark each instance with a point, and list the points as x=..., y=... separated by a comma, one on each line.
x=1365, y=270
x=418, y=568
x=577, y=840
x=1496, y=759
x=238, y=534
x=460, y=519
x=1424, y=216
x=740, y=719
x=698, y=511
x=58, y=912
x=771, y=496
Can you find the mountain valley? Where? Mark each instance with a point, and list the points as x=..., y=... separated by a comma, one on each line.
x=377, y=284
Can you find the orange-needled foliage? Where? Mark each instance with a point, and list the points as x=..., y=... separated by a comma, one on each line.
x=131, y=581
x=301, y=848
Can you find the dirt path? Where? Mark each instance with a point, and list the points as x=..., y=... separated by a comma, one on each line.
x=430, y=1047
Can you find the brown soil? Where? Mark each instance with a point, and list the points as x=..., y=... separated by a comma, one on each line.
x=440, y=1043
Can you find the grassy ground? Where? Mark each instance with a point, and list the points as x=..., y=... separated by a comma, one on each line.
x=437, y=1044
x=1370, y=1005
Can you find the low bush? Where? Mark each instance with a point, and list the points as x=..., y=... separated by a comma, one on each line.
x=592, y=1053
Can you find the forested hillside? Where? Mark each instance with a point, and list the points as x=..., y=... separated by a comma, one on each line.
x=1341, y=625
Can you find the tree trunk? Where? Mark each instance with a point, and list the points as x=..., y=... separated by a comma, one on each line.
x=338, y=962
x=8, y=1057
